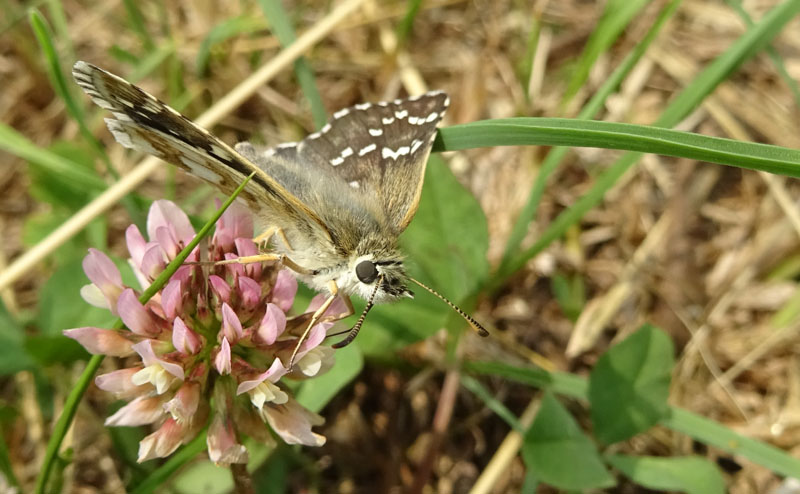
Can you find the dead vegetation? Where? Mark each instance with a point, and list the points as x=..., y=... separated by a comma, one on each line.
x=707, y=253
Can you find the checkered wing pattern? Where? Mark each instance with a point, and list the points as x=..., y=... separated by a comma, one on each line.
x=378, y=149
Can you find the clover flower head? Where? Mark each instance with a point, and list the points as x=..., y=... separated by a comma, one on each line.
x=209, y=347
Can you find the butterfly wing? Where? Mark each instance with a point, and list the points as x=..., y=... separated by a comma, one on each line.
x=379, y=150
x=144, y=123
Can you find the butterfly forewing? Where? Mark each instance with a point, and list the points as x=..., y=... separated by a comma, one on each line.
x=144, y=123
x=378, y=149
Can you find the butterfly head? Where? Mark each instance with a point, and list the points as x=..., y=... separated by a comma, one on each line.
x=382, y=274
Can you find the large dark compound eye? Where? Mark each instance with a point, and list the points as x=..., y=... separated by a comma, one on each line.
x=366, y=271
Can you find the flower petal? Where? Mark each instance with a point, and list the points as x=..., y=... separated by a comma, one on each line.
x=275, y=372
x=293, y=423
x=136, y=243
x=162, y=442
x=134, y=315
x=284, y=290
x=316, y=361
x=223, y=359
x=272, y=325
x=172, y=298
x=152, y=261
x=231, y=326
x=119, y=382
x=184, y=405
x=141, y=411
x=184, y=339
x=167, y=214
x=221, y=288
x=145, y=349
x=223, y=447
x=250, y=292
x=103, y=273
x=98, y=341
x=92, y=295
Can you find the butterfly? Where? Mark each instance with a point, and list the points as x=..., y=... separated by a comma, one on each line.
x=336, y=201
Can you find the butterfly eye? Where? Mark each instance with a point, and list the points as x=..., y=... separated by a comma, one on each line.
x=366, y=272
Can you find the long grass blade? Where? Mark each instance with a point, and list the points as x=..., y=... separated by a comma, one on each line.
x=742, y=49
x=595, y=104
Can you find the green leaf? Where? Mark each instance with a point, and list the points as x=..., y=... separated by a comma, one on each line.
x=629, y=386
x=559, y=453
x=315, y=393
x=448, y=238
x=690, y=474
x=446, y=243
x=203, y=476
x=13, y=357
x=695, y=426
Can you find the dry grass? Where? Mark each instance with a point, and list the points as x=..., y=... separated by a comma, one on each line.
x=705, y=252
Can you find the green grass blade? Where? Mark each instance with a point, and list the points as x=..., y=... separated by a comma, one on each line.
x=529, y=131
x=717, y=435
x=17, y=144
x=774, y=56
x=492, y=403
x=680, y=420
x=405, y=25
x=61, y=27
x=282, y=27
x=45, y=38
x=742, y=49
x=75, y=396
x=138, y=24
x=556, y=155
x=225, y=30
x=617, y=15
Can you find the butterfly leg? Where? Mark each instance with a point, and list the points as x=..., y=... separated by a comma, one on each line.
x=268, y=257
x=317, y=316
x=264, y=237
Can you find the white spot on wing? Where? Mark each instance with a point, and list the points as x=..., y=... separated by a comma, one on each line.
x=401, y=151
x=348, y=151
x=354, y=184
x=433, y=116
x=415, y=145
x=413, y=120
x=387, y=120
x=363, y=106
x=375, y=132
x=337, y=161
x=315, y=135
x=287, y=145
x=326, y=128
x=341, y=113
x=401, y=114
x=367, y=149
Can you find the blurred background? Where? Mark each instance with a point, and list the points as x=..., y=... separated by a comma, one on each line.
x=707, y=253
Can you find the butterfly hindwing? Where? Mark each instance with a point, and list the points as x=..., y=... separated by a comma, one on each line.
x=144, y=123
x=378, y=149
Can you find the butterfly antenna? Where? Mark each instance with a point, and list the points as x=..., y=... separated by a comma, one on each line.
x=351, y=335
x=472, y=322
